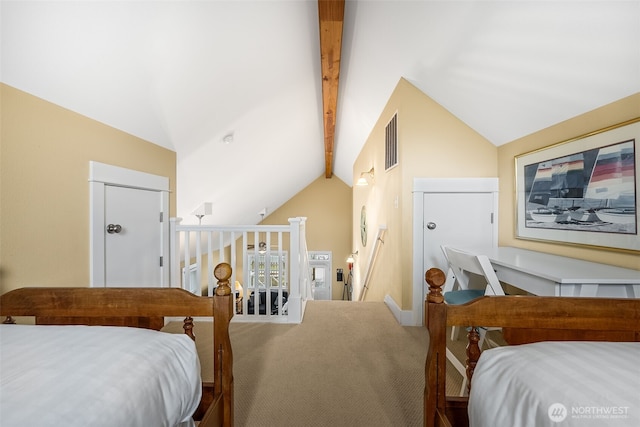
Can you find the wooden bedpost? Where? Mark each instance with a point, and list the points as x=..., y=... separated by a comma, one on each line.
x=222, y=272
x=473, y=354
x=187, y=325
x=435, y=368
x=223, y=355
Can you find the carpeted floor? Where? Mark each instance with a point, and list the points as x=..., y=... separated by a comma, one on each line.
x=346, y=364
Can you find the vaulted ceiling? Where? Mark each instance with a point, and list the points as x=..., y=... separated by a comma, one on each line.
x=186, y=74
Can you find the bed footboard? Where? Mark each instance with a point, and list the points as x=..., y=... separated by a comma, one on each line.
x=146, y=308
x=523, y=319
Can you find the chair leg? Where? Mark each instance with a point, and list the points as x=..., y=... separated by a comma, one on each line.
x=483, y=334
x=461, y=369
x=483, y=337
x=454, y=333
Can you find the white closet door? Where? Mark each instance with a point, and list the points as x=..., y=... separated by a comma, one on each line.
x=463, y=220
x=132, y=250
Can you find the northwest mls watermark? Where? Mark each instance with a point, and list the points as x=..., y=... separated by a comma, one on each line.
x=558, y=412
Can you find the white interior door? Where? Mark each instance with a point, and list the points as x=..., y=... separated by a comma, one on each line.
x=320, y=265
x=449, y=211
x=457, y=219
x=138, y=202
x=133, y=237
x=321, y=288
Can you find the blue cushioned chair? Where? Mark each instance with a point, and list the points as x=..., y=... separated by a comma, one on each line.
x=462, y=268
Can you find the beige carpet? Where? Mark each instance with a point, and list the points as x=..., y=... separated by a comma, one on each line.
x=346, y=364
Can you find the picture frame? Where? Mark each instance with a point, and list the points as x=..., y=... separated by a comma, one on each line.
x=582, y=191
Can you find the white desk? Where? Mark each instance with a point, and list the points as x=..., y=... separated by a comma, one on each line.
x=553, y=275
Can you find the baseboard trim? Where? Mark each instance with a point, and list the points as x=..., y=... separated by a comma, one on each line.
x=404, y=317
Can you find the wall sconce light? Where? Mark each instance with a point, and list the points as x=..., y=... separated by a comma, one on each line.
x=351, y=259
x=262, y=247
x=365, y=177
x=204, y=209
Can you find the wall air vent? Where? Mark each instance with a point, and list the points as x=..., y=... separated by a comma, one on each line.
x=391, y=143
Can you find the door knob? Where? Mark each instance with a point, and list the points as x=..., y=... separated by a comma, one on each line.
x=114, y=228
x=431, y=225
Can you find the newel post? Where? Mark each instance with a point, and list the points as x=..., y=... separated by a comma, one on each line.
x=295, y=301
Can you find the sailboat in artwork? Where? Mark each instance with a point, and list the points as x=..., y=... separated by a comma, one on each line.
x=541, y=193
x=612, y=184
x=557, y=186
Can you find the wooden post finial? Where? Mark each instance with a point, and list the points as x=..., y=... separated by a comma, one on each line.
x=435, y=279
x=222, y=272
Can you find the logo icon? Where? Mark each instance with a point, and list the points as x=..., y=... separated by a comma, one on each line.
x=557, y=412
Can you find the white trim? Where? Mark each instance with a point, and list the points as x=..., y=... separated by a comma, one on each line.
x=455, y=185
x=115, y=175
x=440, y=185
x=404, y=317
x=101, y=174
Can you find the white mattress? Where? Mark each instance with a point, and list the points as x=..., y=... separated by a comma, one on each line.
x=557, y=384
x=96, y=376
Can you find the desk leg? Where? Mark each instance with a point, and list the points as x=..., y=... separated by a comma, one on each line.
x=586, y=290
x=578, y=290
x=608, y=291
x=530, y=283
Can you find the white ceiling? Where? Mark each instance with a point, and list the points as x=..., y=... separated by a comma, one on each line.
x=183, y=74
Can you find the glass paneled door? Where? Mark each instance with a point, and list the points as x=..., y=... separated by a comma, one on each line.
x=272, y=274
x=320, y=265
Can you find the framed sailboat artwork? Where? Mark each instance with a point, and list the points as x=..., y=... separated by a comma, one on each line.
x=583, y=191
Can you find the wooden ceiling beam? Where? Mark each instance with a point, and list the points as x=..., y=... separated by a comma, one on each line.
x=331, y=15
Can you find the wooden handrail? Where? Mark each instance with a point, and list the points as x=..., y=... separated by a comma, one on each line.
x=372, y=262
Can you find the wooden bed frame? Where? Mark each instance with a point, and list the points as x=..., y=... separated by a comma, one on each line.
x=145, y=308
x=524, y=319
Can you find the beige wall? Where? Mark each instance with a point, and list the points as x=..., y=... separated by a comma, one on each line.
x=327, y=205
x=431, y=143
x=44, y=195
x=44, y=191
x=605, y=116
x=434, y=143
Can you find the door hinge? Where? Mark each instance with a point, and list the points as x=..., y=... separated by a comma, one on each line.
x=491, y=217
x=161, y=216
x=161, y=261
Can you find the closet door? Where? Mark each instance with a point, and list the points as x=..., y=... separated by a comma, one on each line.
x=463, y=220
x=133, y=234
x=461, y=212
x=129, y=227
